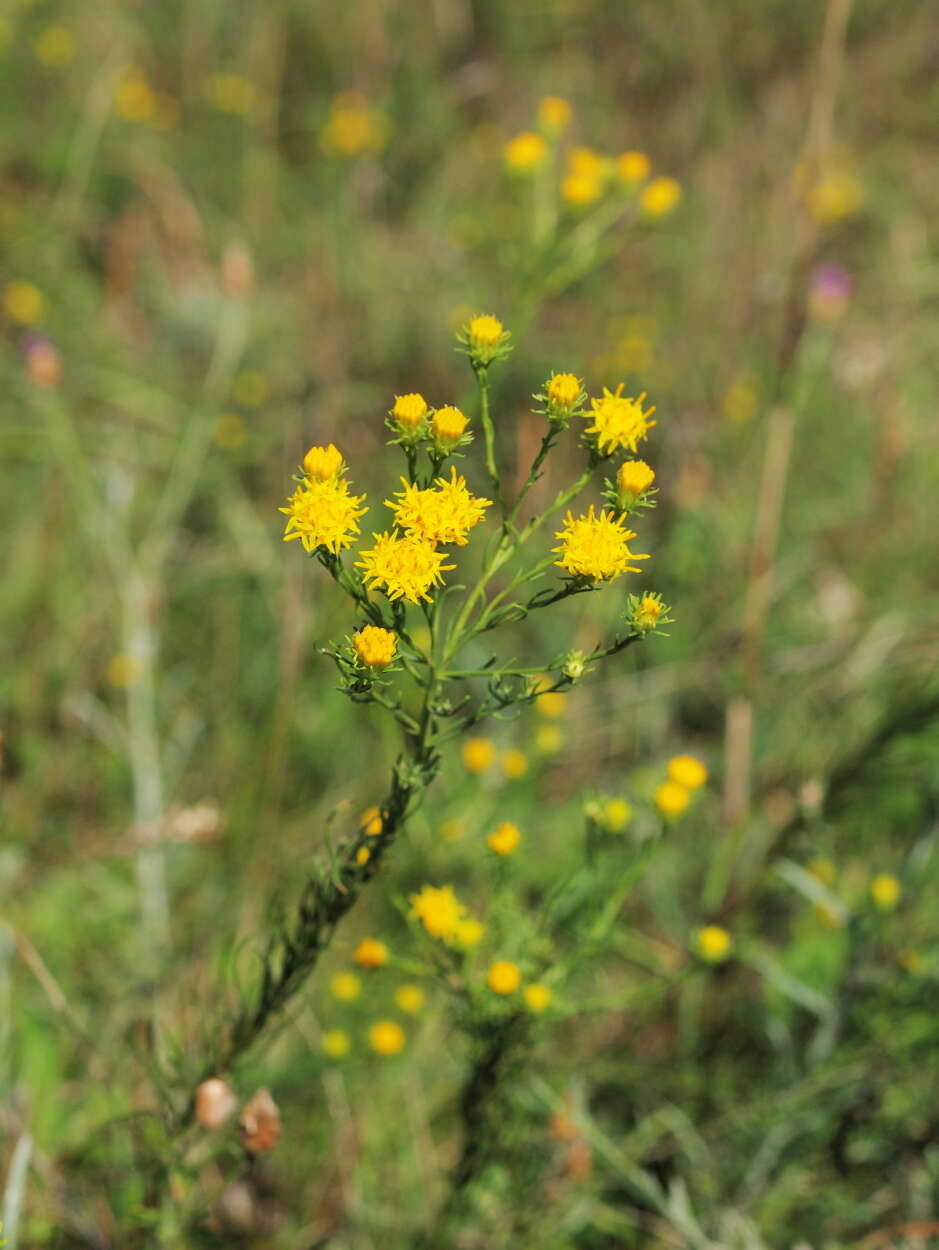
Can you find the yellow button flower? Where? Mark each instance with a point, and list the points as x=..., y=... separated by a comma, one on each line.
x=886, y=891
x=548, y=739
x=484, y=331
x=478, y=754
x=648, y=612
x=362, y=855
x=596, y=547
x=23, y=303
x=449, y=426
x=405, y=568
x=442, y=514
x=619, y=423
x=660, y=196
x=371, y=821
x=672, y=799
x=410, y=999
x=323, y=464
x=525, y=152
x=713, y=943
x=554, y=114
x=687, y=772
x=503, y=977
x=633, y=479
x=370, y=953
x=579, y=190
x=633, y=166
x=469, y=933
x=409, y=411
x=514, y=764
x=537, y=996
x=336, y=1044
x=505, y=839
x=386, y=1037
x=323, y=514
x=345, y=986
x=617, y=814
x=374, y=646
x=551, y=704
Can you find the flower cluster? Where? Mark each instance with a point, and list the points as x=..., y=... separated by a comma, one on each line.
x=445, y=917
x=322, y=512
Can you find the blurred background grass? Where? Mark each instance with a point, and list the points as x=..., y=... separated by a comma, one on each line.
x=213, y=255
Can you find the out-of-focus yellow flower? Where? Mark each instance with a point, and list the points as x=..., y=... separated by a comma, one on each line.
x=54, y=46
x=579, y=190
x=469, y=933
x=443, y=514
x=386, y=1037
x=823, y=870
x=371, y=823
x=448, y=425
x=410, y=999
x=353, y=127
x=911, y=961
x=505, y=839
x=660, y=196
x=551, y=704
x=370, y=953
x=514, y=763
x=336, y=1043
x=586, y=163
x=345, y=986
x=231, y=93
x=23, y=303
x=439, y=910
x=362, y=855
x=596, y=547
x=537, y=996
x=229, y=431
x=451, y=830
x=503, y=977
x=548, y=739
x=405, y=568
x=835, y=196
x=323, y=514
x=619, y=422
x=634, y=353
x=525, y=152
x=672, y=799
x=123, y=670
x=323, y=464
x=374, y=646
x=713, y=943
x=633, y=167
x=478, y=754
x=554, y=114
x=687, y=771
x=617, y=814
x=134, y=98
x=741, y=400
x=886, y=891
x=249, y=389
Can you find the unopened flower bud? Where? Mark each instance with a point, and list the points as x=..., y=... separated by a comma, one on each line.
x=575, y=665
x=564, y=393
x=485, y=337
x=215, y=1102
x=409, y=413
x=449, y=426
x=323, y=464
x=259, y=1123
x=633, y=480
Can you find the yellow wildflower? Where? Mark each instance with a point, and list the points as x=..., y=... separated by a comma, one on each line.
x=345, y=986
x=371, y=822
x=353, y=127
x=579, y=190
x=660, y=196
x=525, y=152
x=469, y=933
x=503, y=977
x=551, y=704
x=505, y=839
x=563, y=392
x=336, y=1043
x=554, y=113
x=323, y=464
x=633, y=166
x=478, y=754
x=410, y=999
x=514, y=764
x=595, y=547
x=123, y=670
x=648, y=612
x=713, y=943
x=405, y=568
x=687, y=771
x=54, y=47
x=537, y=996
x=386, y=1037
x=886, y=891
x=231, y=93
x=323, y=514
x=484, y=331
x=134, y=98
x=370, y=953
x=374, y=646
x=362, y=855
x=617, y=814
x=634, y=479
x=618, y=421
x=409, y=411
x=671, y=798
x=449, y=426
x=443, y=514
x=835, y=196
x=548, y=739
x=23, y=302
x=438, y=909
x=585, y=162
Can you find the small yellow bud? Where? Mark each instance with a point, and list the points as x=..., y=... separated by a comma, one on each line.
x=371, y=821
x=537, y=996
x=886, y=891
x=564, y=392
x=374, y=646
x=409, y=998
x=554, y=114
x=525, y=152
x=469, y=932
x=386, y=1037
x=449, y=426
x=687, y=772
x=634, y=479
x=633, y=167
x=323, y=464
x=409, y=412
x=647, y=612
x=672, y=799
x=579, y=190
x=505, y=839
x=617, y=814
x=23, y=302
x=370, y=953
x=514, y=764
x=713, y=943
x=478, y=754
x=336, y=1043
x=345, y=986
x=503, y=977
x=484, y=331
x=660, y=196
x=362, y=855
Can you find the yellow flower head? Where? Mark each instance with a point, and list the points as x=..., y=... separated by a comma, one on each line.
x=23, y=302
x=564, y=389
x=687, y=772
x=554, y=114
x=525, y=152
x=134, y=98
x=618, y=421
x=469, y=933
x=449, y=426
x=617, y=814
x=362, y=855
x=336, y=1043
x=634, y=479
x=713, y=943
x=439, y=910
x=371, y=822
x=345, y=986
x=386, y=1037
x=409, y=998
x=443, y=514
x=548, y=739
x=484, y=331
x=370, y=953
x=672, y=799
x=405, y=568
x=451, y=830
x=323, y=464
x=478, y=754
x=886, y=891
x=586, y=162
x=374, y=646
x=323, y=514
x=579, y=190
x=503, y=977
x=595, y=547
x=835, y=196
x=505, y=839
x=409, y=411
x=660, y=196
x=353, y=127
x=514, y=763
x=648, y=612
x=537, y=996
x=54, y=46
x=551, y=704
x=633, y=167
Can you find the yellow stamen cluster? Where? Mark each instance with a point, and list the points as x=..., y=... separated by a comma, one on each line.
x=618, y=422
x=404, y=568
x=443, y=514
x=596, y=547
x=449, y=426
x=409, y=411
x=323, y=514
x=323, y=464
x=374, y=646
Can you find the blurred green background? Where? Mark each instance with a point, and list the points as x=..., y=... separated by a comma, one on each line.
x=228, y=231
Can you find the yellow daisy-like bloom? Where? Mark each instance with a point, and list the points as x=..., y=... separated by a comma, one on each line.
x=564, y=389
x=525, y=152
x=713, y=943
x=554, y=113
x=579, y=190
x=672, y=799
x=386, y=1037
x=505, y=839
x=596, y=547
x=323, y=514
x=618, y=421
x=439, y=910
x=648, y=612
x=370, y=953
x=409, y=411
x=633, y=166
x=537, y=996
x=634, y=478
x=362, y=855
x=323, y=464
x=660, y=196
x=371, y=821
x=410, y=999
x=443, y=514
x=469, y=933
x=478, y=754
x=484, y=330
x=503, y=977
x=687, y=771
x=405, y=568
x=586, y=162
x=374, y=646
x=336, y=1043
x=886, y=891
x=449, y=426
x=23, y=302
x=345, y=986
